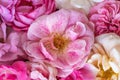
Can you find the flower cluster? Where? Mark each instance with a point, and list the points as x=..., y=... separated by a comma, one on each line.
x=59, y=40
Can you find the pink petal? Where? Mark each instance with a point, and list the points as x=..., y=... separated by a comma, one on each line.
x=37, y=12
x=45, y=53
x=38, y=29
x=20, y=66
x=6, y=14
x=24, y=19
x=13, y=40
x=3, y=27
x=20, y=24
x=57, y=22
x=33, y=50
x=76, y=51
x=88, y=72
x=76, y=17
x=76, y=31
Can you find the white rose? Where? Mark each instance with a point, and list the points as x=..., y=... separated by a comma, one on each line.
x=77, y=4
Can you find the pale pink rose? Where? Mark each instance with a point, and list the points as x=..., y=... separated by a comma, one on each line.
x=17, y=71
x=62, y=39
x=41, y=71
x=105, y=17
x=85, y=73
x=9, y=44
x=21, y=13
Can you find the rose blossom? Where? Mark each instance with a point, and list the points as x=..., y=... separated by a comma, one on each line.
x=105, y=17
x=62, y=39
x=21, y=13
x=86, y=73
x=106, y=56
x=17, y=71
x=9, y=44
x=76, y=4
x=41, y=71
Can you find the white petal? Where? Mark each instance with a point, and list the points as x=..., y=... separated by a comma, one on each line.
x=81, y=4
x=105, y=63
x=98, y=0
x=109, y=39
x=114, y=67
x=95, y=57
x=115, y=55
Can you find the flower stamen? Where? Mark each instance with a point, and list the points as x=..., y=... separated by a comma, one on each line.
x=107, y=75
x=60, y=42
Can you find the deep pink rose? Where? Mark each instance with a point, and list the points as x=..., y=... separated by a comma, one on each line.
x=21, y=13
x=9, y=44
x=18, y=71
x=106, y=17
x=85, y=73
x=62, y=39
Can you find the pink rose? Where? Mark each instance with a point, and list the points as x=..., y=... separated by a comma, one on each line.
x=17, y=71
x=62, y=39
x=21, y=13
x=85, y=73
x=9, y=44
x=41, y=71
x=106, y=16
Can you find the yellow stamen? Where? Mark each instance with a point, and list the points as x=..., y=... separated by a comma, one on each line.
x=60, y=42
x=106, y=74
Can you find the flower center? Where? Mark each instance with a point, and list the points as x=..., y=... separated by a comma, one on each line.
x=60, y=42
x=106, y=74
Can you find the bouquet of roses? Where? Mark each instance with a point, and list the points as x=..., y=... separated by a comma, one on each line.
x=59, y=40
